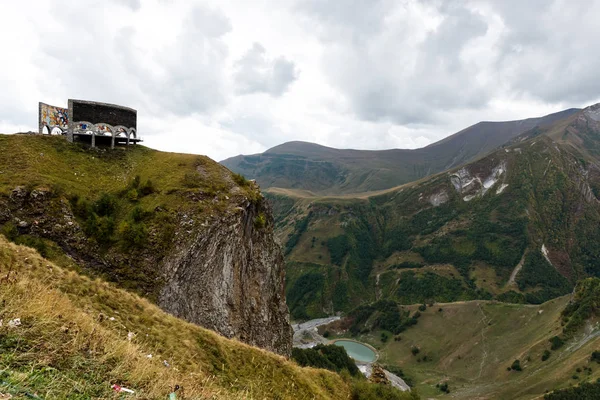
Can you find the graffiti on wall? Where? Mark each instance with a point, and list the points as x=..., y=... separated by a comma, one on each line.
x=52, y=117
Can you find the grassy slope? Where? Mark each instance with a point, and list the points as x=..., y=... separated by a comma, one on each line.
x=471, y=344
x=183, y=184
x=51, y=161
x=73, y=343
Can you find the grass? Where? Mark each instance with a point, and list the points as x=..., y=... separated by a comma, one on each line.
x=471, y=344
x=73, y=343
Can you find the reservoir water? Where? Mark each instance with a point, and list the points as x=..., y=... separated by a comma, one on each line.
x=358, y=351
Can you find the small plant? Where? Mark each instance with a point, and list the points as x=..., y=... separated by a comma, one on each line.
x=384, y=337
x=415, y=350
x=260, y=221
x=595, y=356
x=422, y=307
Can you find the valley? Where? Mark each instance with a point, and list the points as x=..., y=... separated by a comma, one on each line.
x=470, y=344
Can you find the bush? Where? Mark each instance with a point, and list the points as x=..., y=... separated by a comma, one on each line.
x=363, y=390
x=240, y=180
x=132, y=234
x=132, y=195
x=595, y=357
x=260, y=221
x=546, y=355
x=384, y=337
x=444, y=387
x=422, y=307
x=10, y=231
x=106, y=205
x=147, y=188
x=415, y=350
x=556, y=343
x=331, y=357
x=516, y=366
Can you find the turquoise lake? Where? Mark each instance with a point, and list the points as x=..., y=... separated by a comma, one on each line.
x=357, y=351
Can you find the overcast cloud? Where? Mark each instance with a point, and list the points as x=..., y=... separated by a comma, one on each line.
x=226, y=77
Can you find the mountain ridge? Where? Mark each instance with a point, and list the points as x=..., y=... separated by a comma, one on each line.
x=327, y=170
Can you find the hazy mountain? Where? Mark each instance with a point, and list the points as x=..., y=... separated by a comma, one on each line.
x=325, y=170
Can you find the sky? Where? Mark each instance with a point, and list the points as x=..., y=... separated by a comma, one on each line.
x=232, y=77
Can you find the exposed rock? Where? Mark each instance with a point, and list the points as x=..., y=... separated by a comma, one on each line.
x=229, y=278
x=378, y=375
x=438, y=199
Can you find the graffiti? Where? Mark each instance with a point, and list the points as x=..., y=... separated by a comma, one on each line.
x=90, y=122
x=51, y=117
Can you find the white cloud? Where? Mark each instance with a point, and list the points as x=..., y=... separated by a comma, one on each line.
x=229, y=77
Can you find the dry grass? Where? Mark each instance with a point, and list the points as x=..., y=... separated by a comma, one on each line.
x=72, y=343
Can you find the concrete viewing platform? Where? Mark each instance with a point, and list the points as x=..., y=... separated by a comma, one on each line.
x=90, y=122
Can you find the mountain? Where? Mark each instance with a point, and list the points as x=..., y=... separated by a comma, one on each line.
x=519, y=225
x=326, y=171
x=65, y=335
x=181, y=230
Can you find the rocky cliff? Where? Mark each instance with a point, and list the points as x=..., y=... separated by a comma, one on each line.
x=229, y=277
x=179, y=229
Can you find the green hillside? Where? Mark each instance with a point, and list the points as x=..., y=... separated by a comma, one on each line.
x=472, y=347
x=326, y=171
x=519, y=225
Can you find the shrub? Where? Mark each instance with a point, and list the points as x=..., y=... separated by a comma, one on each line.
x=260, y=221
x=132, y=195
x=516, y=366
x=422, y=307
x=384, y=337
x=595, y=356
x=556, y=343
x=106, y=205
x=444, y=387
x=415, y=350
x=10, y=231
x=147, y=188
x=132, y=234
x=331, y=357
x=546, y=355
x=240, y=180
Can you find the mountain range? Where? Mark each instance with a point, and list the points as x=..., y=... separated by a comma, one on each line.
x=325, y=171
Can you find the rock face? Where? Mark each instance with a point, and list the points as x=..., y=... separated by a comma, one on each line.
x=229, y=278
x=225, y=273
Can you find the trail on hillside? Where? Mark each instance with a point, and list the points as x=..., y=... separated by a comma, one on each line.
x=485, y=322
x=513, y=275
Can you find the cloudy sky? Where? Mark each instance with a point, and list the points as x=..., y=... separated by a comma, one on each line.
x=226, y=77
